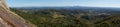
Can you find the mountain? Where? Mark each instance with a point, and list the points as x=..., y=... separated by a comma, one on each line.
x=75, y=16
x=11, y=19
x=72, y=8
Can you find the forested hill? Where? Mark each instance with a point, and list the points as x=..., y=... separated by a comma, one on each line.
x=71, y=16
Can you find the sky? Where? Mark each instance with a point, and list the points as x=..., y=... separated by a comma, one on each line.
x=94, y=3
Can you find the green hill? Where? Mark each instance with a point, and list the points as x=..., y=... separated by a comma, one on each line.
x=60, y=18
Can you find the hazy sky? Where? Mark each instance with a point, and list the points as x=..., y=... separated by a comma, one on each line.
x=98, y=3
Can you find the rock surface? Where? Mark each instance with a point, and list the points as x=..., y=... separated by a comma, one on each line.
x=10, y=19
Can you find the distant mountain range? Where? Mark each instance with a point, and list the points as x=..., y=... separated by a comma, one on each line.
x=68, y=7
x=78, y=8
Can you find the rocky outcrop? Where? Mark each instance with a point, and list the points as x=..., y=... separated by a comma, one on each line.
x=10, y=19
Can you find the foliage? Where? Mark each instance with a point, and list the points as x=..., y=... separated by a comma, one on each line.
x=68, y=18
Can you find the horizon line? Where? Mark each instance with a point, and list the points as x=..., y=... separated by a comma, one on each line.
x=65, y=6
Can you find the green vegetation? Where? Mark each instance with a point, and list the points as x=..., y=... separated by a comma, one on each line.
x=66, y=18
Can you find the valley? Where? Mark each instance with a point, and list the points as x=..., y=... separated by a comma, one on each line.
x=70, y=16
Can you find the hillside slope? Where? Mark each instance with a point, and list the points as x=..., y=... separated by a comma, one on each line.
x=68, y=18
x=10, y=19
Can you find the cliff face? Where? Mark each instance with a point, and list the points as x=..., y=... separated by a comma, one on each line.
x=10, y=19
